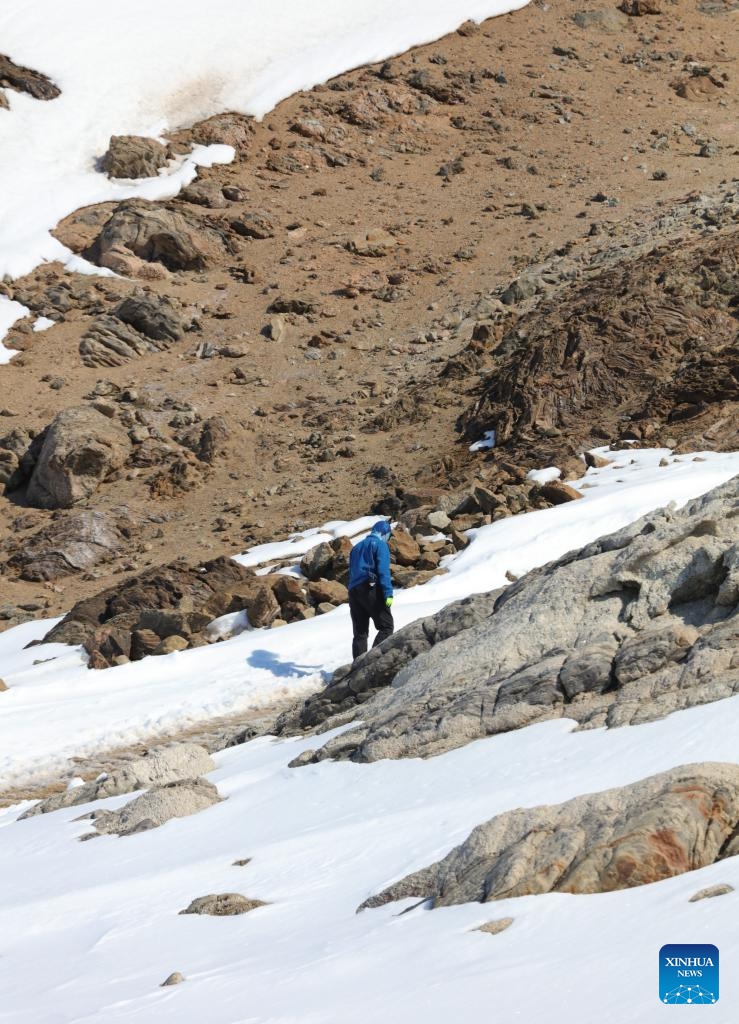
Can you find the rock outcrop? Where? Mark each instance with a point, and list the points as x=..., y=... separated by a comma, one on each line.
x=631, y=627
x=158, y=805
x=160, y=767
x=651, y=343
x=81, y=447
x=34, y=83
x=657, y=828
x=142, y=323
x=223, y=904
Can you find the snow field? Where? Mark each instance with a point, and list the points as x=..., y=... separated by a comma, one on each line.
x=90, y=930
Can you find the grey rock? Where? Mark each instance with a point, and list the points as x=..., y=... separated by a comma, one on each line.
x=607, y=20
x=158, y=805
x=133, y=156
x=224, y=904
x=160, y=767
x=628, y=629
x=110, y=342
x=80, y=449
x=519, y=290
x=439, y=520
x=377, y=668
x=722, y=889
x=175, y=978
x=316, y=563
x=152, y=315
x=659, y=827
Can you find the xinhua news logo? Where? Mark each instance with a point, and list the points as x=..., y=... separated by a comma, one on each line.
x=688, y=974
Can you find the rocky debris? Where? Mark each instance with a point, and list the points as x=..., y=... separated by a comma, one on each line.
x=78, y=451
x=679, y=821
x=628, y=629
x=133, y=156
x=34, y=83
x=328, y=560
x=3, y=686
x=141, y=323
x=159, y=767
x=722, y=889
x=160, y=804
x=70, y=543
x=156, y=234
x=224, y=904
x=170, y=608
x=582, y=364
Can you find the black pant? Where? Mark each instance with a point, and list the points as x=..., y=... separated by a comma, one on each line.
x=365, y=603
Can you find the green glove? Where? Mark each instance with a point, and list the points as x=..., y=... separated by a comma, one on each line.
x=388, y=602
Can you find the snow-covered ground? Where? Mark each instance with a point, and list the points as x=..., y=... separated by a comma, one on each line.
x=88, y=931
x=143, y=68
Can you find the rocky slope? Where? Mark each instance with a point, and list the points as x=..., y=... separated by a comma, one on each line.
x=628, y=629
x=297, y=335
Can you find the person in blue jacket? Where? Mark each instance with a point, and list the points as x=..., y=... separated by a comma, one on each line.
x=371, y=588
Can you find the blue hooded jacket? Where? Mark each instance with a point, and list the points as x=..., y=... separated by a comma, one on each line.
x=370, y=559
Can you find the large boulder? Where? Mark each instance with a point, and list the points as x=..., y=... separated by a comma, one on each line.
x=631, y=627
x=155, y=234
x=81, y=448
x=133, y=156
x=72, y=543
x=679, y=821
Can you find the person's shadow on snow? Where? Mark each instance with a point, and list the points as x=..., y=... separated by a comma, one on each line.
x=272, y=663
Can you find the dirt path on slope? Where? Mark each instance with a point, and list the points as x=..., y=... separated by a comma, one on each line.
x=214, y=734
